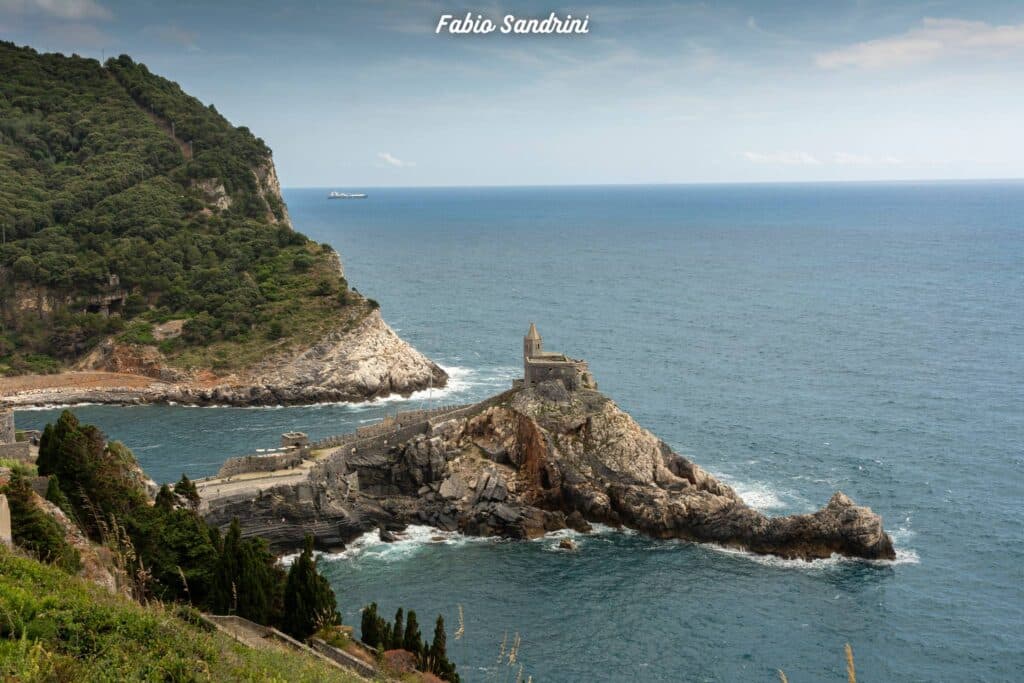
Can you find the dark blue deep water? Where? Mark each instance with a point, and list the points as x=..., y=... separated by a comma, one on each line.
x=793, y=340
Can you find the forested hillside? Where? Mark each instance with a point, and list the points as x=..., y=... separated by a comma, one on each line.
x=121, y=194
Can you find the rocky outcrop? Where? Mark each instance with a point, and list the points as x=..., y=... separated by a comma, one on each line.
x=360, y=363
x=537, y=460
x=367, y=361
x=214, y=193
x=130, y=359
x=269, y=189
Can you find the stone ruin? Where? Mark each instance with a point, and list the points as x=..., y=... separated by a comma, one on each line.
x=10, y=447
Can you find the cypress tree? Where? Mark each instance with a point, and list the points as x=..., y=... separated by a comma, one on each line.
x=438, y=656
x=309, y=602
x=412, y=639
x=187, y=490
x=368, y=625
x=398, y=634
x=48, y=448
x=226, y=576
x=439, y=648
x=245, y=581
x=164, y=498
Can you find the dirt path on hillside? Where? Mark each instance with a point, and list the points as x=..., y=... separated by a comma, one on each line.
x=73, y=380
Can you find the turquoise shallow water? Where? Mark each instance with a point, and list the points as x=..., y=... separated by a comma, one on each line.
x=793, y=340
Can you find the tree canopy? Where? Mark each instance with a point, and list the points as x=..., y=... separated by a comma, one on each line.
x=112, y=170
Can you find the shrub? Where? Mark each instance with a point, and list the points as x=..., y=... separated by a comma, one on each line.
x=138, y=332
x=36, y=531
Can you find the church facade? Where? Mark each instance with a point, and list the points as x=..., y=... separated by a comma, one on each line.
x=542, y=366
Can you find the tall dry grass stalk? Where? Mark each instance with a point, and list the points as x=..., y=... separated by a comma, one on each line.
x=508, y=661
x=461, y=630
x=184, y=582
x=514, y=651
x=851, y=672
x=501, y=652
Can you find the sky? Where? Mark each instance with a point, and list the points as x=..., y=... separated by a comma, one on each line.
x=365, y=93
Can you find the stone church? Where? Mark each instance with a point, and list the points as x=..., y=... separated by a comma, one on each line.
x=541, y=366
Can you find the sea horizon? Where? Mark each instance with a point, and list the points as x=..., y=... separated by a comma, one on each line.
x=709, y=183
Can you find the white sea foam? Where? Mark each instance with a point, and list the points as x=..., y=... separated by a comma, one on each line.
x=903, y=556
x=409, y=542
x=758, y=495
x=462, y=381
x=598, y=531
x=56, y=406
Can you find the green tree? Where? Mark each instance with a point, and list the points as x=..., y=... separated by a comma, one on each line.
x=245, y=580
x=97, y=478
x=309, y=602
x=398, y=632
x=35, y=530
x=187, y=490
x=165, y=499
x=413, y=639
x=437, y=656
x=368, y=625
x=55, y=495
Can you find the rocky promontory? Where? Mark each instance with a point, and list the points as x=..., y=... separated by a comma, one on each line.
x=352, y=363
x=524, y=463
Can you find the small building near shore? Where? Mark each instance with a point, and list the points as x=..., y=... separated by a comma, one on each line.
x=10, y=447
x=296, y=440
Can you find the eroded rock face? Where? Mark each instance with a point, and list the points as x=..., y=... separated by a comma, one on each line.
x=367, y=361
x=363, y=362
x=537, y=460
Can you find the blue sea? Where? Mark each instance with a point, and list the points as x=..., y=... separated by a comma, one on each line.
x=792, y=339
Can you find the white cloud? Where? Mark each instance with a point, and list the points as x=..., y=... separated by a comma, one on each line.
x=74, y=10
x=799, y=158
x=847, y=159
x=788, y=158
x=393, y=161
x=933, y=39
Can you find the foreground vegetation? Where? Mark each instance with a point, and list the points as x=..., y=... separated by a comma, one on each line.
x=111, y=170
x=59, y=628
x=162, y=552
x=166, y=551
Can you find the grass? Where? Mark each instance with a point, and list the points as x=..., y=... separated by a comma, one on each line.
x=137, y=332
x=56, y=628
x=25, y=468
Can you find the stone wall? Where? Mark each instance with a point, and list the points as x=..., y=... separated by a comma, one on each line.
x=16, y=451
x=6, y=425
x=399, y=423
x=344, y=659
x=5, y=522
x=260, y=463
x=573, y=374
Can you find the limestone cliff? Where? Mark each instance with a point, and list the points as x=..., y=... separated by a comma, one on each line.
x=525, y=463
x=359, y=363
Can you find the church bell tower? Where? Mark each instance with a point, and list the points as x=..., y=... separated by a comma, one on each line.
x=532, y=345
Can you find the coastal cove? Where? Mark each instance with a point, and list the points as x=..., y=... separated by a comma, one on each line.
x=792, y=340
